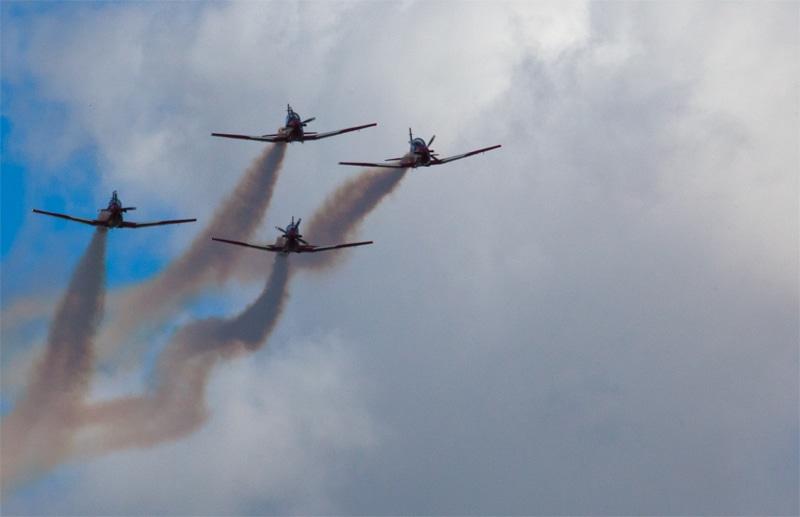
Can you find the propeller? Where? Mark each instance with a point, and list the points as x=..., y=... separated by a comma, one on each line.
x=430, y=151
x=306, y=121
x=296, y=226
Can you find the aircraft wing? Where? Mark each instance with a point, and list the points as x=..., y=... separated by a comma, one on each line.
x=128, y=224
x=70, y=218
x=268, y=247
x=366, y=164
x=262, y=138
x=320, y=136
x=339, y=246
x=440, y=161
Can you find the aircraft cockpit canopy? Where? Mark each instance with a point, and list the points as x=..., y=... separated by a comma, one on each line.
x=292, y=116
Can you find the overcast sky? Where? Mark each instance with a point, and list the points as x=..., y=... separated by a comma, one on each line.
x=599, y=318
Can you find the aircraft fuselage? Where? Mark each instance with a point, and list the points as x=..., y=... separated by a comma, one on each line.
x=111, y=217
x=112, y=214
x=293, y=130
x=293, y=245
x=418, y=155
x=293, y=134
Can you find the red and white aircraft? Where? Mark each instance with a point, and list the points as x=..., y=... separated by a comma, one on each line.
x=293, y=242
x=293, y=131
x=111, y=216
x=419, y=155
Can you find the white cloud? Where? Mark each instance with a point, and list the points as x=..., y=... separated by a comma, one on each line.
x=601, y=317
x=281, y=423
x=147, y=84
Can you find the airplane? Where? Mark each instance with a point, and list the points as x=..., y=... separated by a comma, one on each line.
x=420, y=154
x=112, y=216
x=293, y=242
x=293, y=131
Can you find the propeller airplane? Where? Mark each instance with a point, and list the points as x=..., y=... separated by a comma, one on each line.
x=293, y=131
x=293, y=242
x=420, y=154
x=112, y=216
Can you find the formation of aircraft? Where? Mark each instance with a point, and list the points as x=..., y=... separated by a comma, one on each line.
x=419, y=154
x=292, y=242
x=112, y=216
x=293, y=131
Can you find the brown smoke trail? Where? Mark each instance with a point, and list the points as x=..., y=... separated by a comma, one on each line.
x=19, y=348
x=150, y=302
x=203, y=263
x=37, y=433
x=177, y=405
x=343, y=211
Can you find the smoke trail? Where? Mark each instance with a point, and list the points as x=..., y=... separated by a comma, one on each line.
x=37, y=433
x=150, y=302
x=237, y=218
x=20, y=343
x=343, y=211
x=177, y=406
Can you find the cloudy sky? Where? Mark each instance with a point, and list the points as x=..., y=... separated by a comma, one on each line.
x=599, y=318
